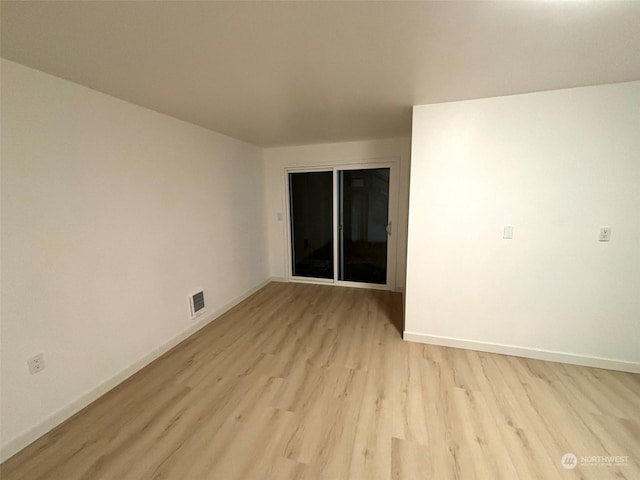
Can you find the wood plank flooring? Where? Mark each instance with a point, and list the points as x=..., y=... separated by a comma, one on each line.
x=314, y=382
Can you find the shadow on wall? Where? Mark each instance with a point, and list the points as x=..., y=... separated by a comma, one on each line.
x=390, y=304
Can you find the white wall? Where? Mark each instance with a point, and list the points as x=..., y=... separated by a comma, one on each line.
x=111, y=215
x=367, y=151
x=557, y=165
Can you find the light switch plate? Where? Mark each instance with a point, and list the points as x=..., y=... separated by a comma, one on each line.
x=507, y=232
x=605, y=234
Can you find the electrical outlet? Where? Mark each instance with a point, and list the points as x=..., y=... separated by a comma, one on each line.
x=36, y=364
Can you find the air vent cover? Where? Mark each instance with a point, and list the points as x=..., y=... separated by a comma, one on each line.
x=196, y=304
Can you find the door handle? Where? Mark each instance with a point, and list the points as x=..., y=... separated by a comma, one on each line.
x=389, y=228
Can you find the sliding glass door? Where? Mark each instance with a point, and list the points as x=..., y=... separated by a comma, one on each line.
x=339, y=225
x=311, y=214
x=363, y=224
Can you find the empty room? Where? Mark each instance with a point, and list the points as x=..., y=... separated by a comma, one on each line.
x=320, y=240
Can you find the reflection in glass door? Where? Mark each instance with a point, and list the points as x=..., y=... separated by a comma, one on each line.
x=363, y=222
x=311, y=214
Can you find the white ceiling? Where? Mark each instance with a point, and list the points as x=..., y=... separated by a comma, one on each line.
x=275, y=73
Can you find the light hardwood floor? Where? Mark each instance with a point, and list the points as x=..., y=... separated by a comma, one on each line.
x=314, y=382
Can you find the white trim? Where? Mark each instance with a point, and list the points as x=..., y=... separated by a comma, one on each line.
x=370, y=286
x=336, y=230
x=277, y=279
x=339, y=283
x=23, y=440
x=288, y=245
x=314, y=280
x=526, y=352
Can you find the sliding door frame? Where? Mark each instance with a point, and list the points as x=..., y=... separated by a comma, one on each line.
x=289, y=258
x=392, y=244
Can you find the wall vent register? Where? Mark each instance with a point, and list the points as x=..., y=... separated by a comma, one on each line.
x=196, y=304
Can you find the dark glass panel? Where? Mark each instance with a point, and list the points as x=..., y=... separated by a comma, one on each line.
x=311, y=197
x=364, y=215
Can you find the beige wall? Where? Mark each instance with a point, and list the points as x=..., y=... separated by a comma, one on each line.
x=367, y=151
x=557, y=165
x=111, y=215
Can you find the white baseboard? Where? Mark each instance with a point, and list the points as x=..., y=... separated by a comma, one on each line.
x=535, y=353
x=18, y=443
x=278, y=279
